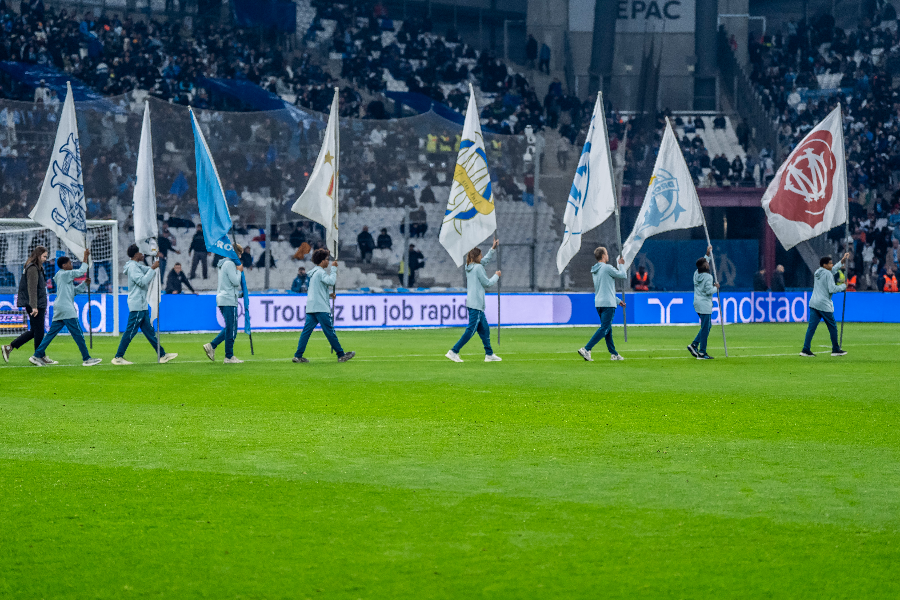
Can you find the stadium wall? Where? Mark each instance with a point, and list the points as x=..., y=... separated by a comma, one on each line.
x=393, y=311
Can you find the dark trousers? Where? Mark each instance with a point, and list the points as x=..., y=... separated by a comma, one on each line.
x=703, y=335
x=477, y=323
x=75, y=331
x=35, y=331
x=814, y=317
x=199, y=259
x=605, y=329
x=227, y=335
x=324, y=320
x=138, y=320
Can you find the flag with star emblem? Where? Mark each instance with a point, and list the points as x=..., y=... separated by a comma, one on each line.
x=319, y=201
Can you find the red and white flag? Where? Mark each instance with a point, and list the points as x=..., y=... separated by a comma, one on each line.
x=808, y=195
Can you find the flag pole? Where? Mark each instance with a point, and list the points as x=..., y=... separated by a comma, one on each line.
x=846, y=233
x=337, y=181
x=616, y=199
x=158, y=312
x=90, y=324
x=499, y=268
x=250, y=334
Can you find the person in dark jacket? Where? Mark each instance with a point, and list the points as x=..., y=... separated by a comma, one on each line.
x=32, y=297
x=300, y=285
x=384, y=240
x=759, y=281
x=416, y=262
x=778, y=279
x=366, y=245
x=176, y=279
x=198, y=247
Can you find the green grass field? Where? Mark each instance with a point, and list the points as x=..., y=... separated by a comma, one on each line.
x=403, y=475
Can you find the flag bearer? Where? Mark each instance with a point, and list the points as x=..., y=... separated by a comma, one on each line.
x=65, y=314
x=704, y=288
x=139, y=278
x=318, y=310
x=227, y=294
x=605, y=301
x=821, y=308
x=476, y=282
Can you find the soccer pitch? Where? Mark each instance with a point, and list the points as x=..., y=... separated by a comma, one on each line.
x=403, y=475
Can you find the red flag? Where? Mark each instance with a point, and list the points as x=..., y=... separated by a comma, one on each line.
x=808, y=195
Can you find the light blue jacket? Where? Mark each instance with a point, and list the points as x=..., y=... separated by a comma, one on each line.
x=703, y=291
x=64, y=306
x=477, y=280
x=320, y=280
x=229, y=289
x=824, y=287
x=604, y=275
x=139, y=278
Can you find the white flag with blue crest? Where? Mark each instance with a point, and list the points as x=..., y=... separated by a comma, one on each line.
x=671, y=201
x=592, y=198
x=61, y=206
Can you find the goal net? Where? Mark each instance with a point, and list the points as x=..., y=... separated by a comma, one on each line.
x=19, y=237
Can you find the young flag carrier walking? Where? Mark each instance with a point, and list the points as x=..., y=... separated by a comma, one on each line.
x=605, y=301
x=704, y=288
x=469, y=219
x=216, y=221
x=807, y=198
x=317, y=310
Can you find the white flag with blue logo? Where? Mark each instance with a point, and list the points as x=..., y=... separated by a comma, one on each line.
x=470, y=216
x=61, y=206
x=671, y=201
x=592, y=198
x=146, y=229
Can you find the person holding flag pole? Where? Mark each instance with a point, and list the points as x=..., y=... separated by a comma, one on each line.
x=469, y=219
x=217, y=224
x=61, y=205
x=319, y=203
x=806, y=198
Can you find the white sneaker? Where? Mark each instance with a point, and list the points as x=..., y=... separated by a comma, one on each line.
x=492, y=358
x=234, y=360
x=49, y=361
x=585, y=354
x=36, y=361
x=453, y=356
x=120, y=362
x=5, y=351
x=210, y=351
x=615, y=357
x=92, y=361
x=167, y=357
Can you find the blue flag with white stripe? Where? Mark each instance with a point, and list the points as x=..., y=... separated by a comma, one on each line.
x=592, y=197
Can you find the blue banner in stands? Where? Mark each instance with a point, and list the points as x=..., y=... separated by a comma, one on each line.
x=277, y=14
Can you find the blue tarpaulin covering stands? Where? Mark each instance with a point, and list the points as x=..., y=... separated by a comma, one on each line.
x=30, y=75
x=278, y=14
x=422, y=104
x=250, y=96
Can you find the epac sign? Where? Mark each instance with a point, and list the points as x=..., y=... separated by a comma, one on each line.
x=638, y=16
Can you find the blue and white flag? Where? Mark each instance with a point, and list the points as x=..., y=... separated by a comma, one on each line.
x=470, y=216
x=671, y=201
x=61, y=206
x=214, y=215
x=592, y=198
x=146, y=229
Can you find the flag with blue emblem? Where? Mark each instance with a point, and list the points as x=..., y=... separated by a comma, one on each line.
x=470, y=216
x=671, y=201
x=61, y=206
x=214, y=215
x=592, y=198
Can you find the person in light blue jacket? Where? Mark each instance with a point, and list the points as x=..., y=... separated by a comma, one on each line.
x=605, y=302
x=318, y=309
x=821, y=308
x=704, y=288
x=476, y=282
x=65, y=313
x=139, y=279
x=227, y=294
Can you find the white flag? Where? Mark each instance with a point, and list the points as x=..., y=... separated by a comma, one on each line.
x=146, y=230
x=592, y=198
x=808, y=195
x=671, y=201
x=470, y=216
x=61, y=206
x=319, y=201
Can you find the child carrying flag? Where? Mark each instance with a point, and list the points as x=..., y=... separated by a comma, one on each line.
x=227, y=294
x=139, y=278
x=65, y=314
x=317, y=309
x=821, y=308
x=704, y=288
x=605, y=302
x=476, y=282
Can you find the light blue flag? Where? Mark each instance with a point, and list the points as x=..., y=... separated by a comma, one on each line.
x=214, y=215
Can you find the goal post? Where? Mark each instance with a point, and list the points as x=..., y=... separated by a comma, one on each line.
x=18, y=237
